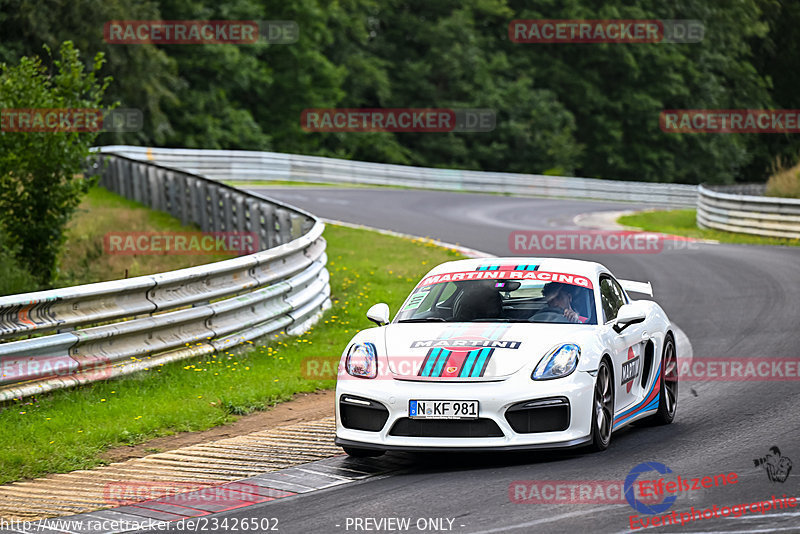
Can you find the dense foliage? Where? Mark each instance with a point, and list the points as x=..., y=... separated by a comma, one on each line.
x=39, y=182
x=585, y=109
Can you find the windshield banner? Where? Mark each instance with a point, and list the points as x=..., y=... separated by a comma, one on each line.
x=573, y=279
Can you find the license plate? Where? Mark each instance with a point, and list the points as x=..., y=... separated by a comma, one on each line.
x=441, y=409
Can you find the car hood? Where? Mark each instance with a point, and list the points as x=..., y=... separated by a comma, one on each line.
x=471, y=351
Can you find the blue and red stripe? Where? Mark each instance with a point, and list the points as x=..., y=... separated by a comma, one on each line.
x=650, y=402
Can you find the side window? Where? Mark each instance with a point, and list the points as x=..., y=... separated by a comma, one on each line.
x=611, y=297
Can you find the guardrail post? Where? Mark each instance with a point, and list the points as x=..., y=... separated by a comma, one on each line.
x=226, y=212
x=212, y=208
x=156, y=191
x=238, y=206
x=198, y=202
x=267, y=226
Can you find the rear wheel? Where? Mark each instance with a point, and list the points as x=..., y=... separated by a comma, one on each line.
x=603, y=407
x=354, y=452
x=668, y=394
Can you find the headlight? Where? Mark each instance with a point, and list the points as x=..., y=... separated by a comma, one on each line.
x=362, y=360
x=559, y=362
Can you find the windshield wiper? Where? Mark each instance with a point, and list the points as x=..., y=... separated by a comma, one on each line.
x=422, y=320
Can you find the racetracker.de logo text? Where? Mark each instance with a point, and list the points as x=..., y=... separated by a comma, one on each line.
x=200, y=31
x=572, y=492
x=566, y=31
x=53, y=120
x=730, y=121
x=21, y=368
x=594, y=242
x=424, y=120
x=185, y=494
x=739, y=369
x=163, y=243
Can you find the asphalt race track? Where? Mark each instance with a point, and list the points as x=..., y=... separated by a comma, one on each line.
x=732, y=301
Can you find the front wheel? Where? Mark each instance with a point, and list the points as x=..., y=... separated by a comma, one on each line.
x=668, y=394
x=602, y=407
x=354, y=452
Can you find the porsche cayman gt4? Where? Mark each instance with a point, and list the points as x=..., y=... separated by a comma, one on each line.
x=505, y=354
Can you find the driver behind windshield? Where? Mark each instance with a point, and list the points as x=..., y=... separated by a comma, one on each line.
x=559, y=304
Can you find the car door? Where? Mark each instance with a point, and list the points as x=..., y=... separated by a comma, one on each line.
x=627, y=347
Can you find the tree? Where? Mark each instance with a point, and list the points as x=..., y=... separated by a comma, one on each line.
x=616, y=91
x=39, y=183
x=145, y=77
x=585, y=109
x=776, y=58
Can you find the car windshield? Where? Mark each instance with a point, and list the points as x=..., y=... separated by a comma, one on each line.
x=498, y=300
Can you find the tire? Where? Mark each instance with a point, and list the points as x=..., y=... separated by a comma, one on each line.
x=668, y=385
x=602, y=407
x=354, y=452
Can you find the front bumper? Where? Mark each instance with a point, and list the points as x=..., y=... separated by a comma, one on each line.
x=495, y=399
x=427, y=448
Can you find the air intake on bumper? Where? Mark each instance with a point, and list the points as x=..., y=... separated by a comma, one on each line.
x=358, y=413
x=446, y=428
x=542, y=415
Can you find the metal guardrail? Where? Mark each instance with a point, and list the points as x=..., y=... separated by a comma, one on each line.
x=765, y=216
x=114, y=328
x=250, y=166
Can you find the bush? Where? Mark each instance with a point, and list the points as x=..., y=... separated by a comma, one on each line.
x=39, y=183
x=13, y=278
x=784, y=182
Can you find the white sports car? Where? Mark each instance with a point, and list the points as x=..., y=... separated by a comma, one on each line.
x=505, y=354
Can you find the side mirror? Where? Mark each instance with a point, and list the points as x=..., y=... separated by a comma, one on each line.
x=628, y=314
x=379, y=314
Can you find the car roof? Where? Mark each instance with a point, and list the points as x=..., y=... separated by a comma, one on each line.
x=559, y=265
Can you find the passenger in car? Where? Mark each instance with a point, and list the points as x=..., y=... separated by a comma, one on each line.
x=478, y=300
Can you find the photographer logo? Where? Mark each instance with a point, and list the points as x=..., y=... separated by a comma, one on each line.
x=777, y=467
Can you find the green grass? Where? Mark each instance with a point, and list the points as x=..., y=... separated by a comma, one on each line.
x=68, y=429
x=684, y=223
x=83, y=260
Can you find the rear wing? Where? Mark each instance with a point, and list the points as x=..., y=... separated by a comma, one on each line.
x=637, y=287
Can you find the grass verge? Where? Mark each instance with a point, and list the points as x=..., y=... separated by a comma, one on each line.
x=84, y=260
x=684, y=223
x=68, y=429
